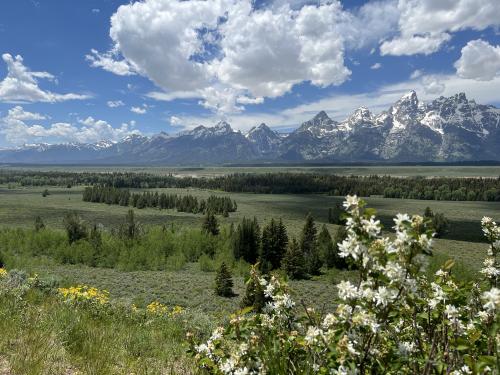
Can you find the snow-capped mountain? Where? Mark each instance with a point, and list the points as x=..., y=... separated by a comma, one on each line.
x=445, y=129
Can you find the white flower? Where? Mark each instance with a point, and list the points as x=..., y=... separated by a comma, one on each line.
x=394, y=271
x=312, y=335
x=268, y=292
x=371, y=227
x=241, y=371
x=383, y=296
x=347, y=290
x=492, y=298
x=350, y=247
x=441, y=273
x=405, y=348
x=329, y=321
x=451, y=312
x=351, y=202
x=400, y=219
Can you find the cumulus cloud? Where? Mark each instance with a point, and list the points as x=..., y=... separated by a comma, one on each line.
x=229, y=53
x=108, y=62
x=138, y=110
x=479, y=60
x=376, y=66
x=21, y=84
x=115, y=103
x=17, y=128
x=425, y=25
x=339, y=107
x=432, y=84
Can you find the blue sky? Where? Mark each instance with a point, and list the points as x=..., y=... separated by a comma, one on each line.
x=84, y=71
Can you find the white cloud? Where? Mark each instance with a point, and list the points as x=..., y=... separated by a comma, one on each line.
x=425, y=25
x=415, y=44
x=108, y=62
x=175, y=121
x=96, y=10
x=339, y=107
x=376, y=66
x=479, y=60
x=115, y=103
x=229, y=53
x=21, y=84
x=18, y=113
x=432, y=84
x=16, y=129
x=138, y=110
x=169, y=96
x=416, y=73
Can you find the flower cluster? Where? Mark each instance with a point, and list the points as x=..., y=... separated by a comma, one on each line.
x=84, y=295
x=3, y=273
x=390, y=318
x=156, y=308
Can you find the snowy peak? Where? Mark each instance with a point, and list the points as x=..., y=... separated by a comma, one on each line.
x=222, y=127
x=318, y=126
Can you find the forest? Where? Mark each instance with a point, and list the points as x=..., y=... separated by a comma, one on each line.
x=438, y=188
x=182, y=203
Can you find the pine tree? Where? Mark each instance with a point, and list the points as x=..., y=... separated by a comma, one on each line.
x=246, y=243
x=39, y=224
x=335, y=214
x=293, y=262
x=309, y=246
x=210, y=224
x=326, y=247
x=254, y=293
x=130, y=229
x=223, y=282
x=273, y=246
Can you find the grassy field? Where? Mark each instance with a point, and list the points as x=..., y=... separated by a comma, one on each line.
x=146, y=350
x=402, y=171
x=19, y=206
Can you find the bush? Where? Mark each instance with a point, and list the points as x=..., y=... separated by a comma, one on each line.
x=391, y=320
x=75, y=227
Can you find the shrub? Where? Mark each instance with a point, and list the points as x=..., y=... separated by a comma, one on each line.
x=75, y=227
x=392, y=320
x=210, y=224
x=39, y=224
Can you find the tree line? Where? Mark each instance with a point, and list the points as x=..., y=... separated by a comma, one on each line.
x=438, y=188
x=182, y=203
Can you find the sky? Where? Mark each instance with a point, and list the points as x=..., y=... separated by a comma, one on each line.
x=87, y=71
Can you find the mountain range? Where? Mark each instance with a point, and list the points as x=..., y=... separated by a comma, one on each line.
x=445, y=130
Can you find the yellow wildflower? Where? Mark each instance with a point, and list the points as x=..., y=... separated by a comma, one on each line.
x=3, y=273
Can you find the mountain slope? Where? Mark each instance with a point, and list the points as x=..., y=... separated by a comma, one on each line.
x=445, y=129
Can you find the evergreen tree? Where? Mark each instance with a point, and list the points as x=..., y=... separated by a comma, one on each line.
x=326, y=248
x=246, y=243
x=39, y=224
x=335, y=215
x=293, y=262
x=273, y=246
x=130, y=229
x=210, y=224
x=254, y=293
x=223, y=282
x=45, y=193
x=309, y=246
x=75, y=227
